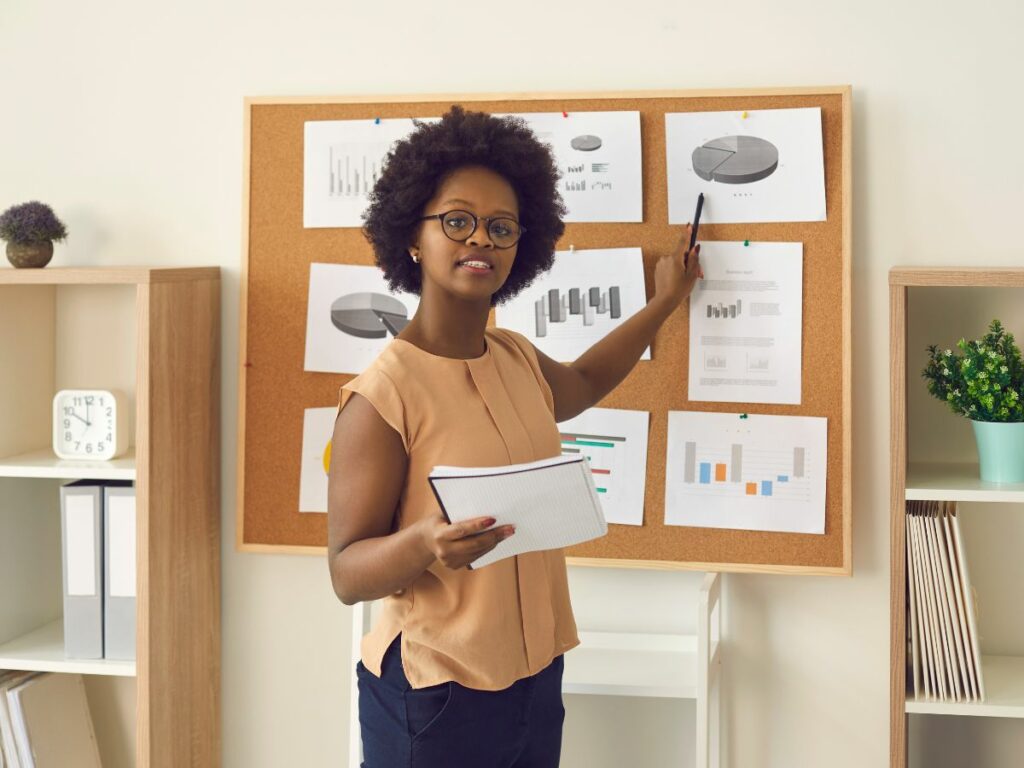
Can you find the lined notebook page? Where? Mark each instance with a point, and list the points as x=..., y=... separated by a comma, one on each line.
x=552, y=503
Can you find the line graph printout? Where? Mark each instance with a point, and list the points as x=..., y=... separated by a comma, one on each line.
x=759, y=473
x=615, y=443
x=584, y=296
x=762, y=165
x=342, y=160
x=599, y=156
x=745, y=324
x=351, y=317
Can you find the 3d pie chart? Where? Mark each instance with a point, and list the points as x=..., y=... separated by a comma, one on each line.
x=369, y=315
x=736, y=159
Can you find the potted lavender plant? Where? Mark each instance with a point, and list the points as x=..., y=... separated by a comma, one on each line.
x=30, y=229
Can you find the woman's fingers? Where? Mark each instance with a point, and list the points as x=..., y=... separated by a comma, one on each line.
x=464, y=528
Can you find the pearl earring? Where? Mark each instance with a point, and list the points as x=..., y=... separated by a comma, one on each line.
x=416, y=259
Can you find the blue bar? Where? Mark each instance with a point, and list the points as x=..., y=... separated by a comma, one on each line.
x=766, y=487
x=705, y=472
x=783, y=478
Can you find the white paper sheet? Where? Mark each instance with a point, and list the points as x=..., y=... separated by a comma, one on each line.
x=584, y=296
x=351, y=316
x=615, y=443
x=745, y=324
x=317, y=431
x=760, y=473
x=599, y=156
x=768, y=166
x=342, y=160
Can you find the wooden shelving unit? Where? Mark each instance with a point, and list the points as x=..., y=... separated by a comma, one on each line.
x=951, y=480
x=153, y=334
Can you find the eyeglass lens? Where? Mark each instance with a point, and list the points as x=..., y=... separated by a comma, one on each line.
x=459, y=225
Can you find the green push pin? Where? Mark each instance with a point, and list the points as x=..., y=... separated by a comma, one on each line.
x=746, y=242
x=743, y=415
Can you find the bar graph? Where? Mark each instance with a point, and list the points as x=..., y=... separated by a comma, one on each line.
x=614, y=442
x=602, y=451
x=725, y=311
x=765, y=470
x=354, y=168
x=556, y=307
x=755, y=472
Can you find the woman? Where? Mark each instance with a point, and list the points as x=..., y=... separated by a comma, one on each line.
x=463, y=667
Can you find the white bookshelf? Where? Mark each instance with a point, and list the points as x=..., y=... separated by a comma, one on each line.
x=124, y=329
x=43, y=463
x=641, y=664
x=42, y=650
x=934, y=459
x=1004, y=692
x=957, y=481
x=632, y=664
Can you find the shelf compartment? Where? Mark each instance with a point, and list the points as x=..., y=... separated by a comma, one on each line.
x=632, y=664
x=1004, y=692
x=42, y=650
x=43, y=463
x=957, y=482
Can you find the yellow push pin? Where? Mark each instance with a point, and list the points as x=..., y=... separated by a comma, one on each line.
x=744, y=115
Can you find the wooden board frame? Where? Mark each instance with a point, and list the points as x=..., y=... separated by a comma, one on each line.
x=288, y=531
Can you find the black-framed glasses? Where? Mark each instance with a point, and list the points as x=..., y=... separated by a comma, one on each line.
x=460, y=226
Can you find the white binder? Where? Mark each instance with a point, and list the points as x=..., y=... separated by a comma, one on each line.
x=120, y=573
x=81, y=517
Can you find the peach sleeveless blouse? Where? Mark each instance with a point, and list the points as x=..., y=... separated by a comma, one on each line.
x=483, y=628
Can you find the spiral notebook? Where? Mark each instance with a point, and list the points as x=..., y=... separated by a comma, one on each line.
x=552, y=503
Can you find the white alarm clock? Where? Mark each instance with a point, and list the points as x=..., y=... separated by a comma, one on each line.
x=89, y=424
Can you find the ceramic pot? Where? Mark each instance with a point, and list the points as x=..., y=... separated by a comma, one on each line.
x=1000, y=451
x=30, y=255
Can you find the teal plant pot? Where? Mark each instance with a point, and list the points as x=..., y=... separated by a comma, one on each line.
x=1000, y=451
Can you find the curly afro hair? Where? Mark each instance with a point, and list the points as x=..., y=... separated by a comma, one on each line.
x=417, y=166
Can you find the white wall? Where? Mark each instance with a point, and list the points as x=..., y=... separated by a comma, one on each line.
x=126, y=116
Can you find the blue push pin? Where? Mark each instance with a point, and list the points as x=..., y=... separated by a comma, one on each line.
x=376, y=121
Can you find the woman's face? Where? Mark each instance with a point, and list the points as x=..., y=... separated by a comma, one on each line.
x=475, y=268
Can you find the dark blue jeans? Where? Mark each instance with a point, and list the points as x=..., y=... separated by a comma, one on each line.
x=450, y=726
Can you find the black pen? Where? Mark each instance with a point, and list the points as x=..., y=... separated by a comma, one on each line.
x=696, y=226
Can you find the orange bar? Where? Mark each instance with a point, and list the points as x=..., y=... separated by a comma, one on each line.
x=751, y=489
x=720, y=472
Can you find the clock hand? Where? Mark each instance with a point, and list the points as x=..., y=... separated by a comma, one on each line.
x=87, y=413
x=81, y=419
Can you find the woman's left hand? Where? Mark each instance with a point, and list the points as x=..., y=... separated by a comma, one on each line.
x=677, y=273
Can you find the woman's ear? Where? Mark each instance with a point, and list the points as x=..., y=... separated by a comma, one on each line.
x=414, y=253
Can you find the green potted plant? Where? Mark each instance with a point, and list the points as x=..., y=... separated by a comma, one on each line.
x=30, y=229
x=984, y=381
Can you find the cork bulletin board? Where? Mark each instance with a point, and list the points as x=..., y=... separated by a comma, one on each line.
x=277, y=253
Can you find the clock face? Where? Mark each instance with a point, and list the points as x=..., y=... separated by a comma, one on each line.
x=85, y=423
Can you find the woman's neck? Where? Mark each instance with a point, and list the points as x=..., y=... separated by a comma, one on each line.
x=448, y=328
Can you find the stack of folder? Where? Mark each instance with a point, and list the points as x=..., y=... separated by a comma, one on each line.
x=943, y=652
x=98, y=524
x=45, y=722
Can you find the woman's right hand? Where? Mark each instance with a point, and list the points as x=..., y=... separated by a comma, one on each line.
x=456, y=545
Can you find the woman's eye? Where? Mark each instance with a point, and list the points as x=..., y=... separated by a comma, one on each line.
x=500, y=229
x=455, y=222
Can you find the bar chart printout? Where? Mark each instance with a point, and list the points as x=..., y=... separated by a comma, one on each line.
x=615, y=444
x=763, y=473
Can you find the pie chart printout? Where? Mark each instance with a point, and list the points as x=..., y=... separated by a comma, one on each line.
x=736, y=160
x=369, y=315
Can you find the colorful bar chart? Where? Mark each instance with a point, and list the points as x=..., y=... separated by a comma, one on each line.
x=614, y=442
x=755, y=472
x=600, y=451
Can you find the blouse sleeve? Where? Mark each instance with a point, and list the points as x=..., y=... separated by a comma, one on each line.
x=379, y=389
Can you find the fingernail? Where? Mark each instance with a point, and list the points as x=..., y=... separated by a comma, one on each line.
x=508, y=531
x=489, y=522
